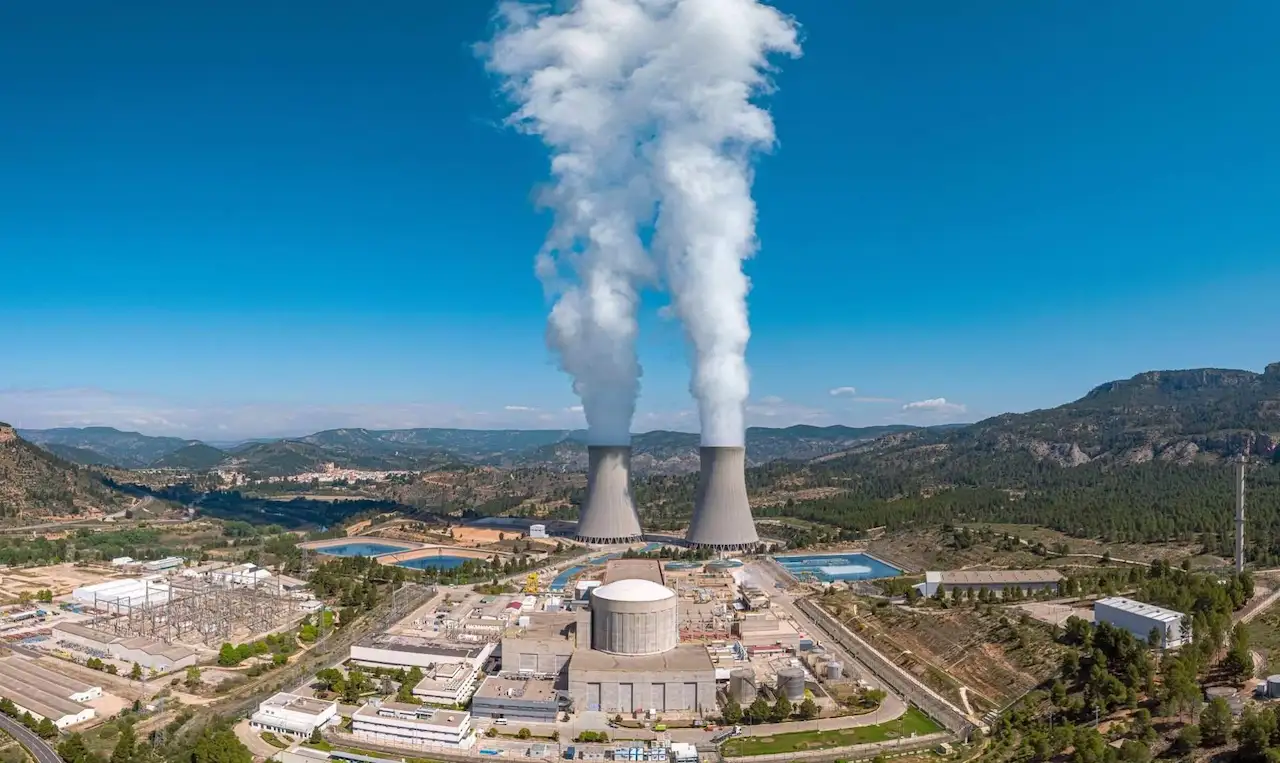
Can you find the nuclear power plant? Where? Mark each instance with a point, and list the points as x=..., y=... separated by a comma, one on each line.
x=721, y=514
x=608, y=514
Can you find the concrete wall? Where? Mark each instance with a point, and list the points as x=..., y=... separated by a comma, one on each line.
x=1027, y=588
x=546, y=657
x=692, y=691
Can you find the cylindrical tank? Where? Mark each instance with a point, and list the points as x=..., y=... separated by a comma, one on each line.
x=835, y=670
x=742, y=686
x=791, y=683
x=1273, y=686
x=634, y=617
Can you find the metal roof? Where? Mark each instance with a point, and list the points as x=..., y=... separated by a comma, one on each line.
x=1139, y=608
x=994, y=577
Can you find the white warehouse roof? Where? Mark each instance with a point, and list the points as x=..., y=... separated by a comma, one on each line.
x=1150, y=611
x=633, y=590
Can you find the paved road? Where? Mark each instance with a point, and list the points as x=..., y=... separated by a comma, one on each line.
x=39, y=749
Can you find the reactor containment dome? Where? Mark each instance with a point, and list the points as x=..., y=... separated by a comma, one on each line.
x=634, y=617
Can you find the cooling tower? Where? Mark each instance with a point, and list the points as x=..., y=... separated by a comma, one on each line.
x=721, y=514
x=608, y=514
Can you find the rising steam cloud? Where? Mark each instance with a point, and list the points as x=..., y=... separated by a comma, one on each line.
x=646, y=104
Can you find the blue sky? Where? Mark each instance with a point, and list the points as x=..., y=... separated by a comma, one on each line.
x=243, y=218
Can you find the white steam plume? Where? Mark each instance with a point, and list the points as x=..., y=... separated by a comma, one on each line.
x=707, y=130
x=645, y=101
x=567, y=73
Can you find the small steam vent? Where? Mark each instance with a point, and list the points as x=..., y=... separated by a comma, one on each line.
x=721, y=514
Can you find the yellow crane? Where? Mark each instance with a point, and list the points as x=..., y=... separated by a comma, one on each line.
x=531, y=583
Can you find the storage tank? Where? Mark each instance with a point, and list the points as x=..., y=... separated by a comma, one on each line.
x=1273, y=686
x=742, y=686
x=791, y=683
x=835, y=670
x=634, y=617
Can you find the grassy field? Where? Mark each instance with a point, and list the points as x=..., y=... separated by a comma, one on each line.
x=913, y=722
x=1264, y=636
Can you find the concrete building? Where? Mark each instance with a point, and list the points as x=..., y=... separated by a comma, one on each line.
x=634, y=617
x=517, y=699
x=395, y=723
x=150, y=654
x=628, y=655
x=448, y=683
x=167, y=563
x=996, y=581
x=292, y=715
x=46, y=694
x=762, y=629
x=537, y=531
x=721, y=512
x=387, y=650
x=121, y=561
x=543, y=646
x=1140, y=619
x=682, y=679
x=608, y=512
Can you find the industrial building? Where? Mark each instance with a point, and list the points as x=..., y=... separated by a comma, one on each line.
x=167, y=563
x=292, y=715
x=995, y=581
x=517, y=699
x=46, y=694
x=122, y=595
x=633, y=659
x=449, y=683
x=149, y=653
x=608, y=512
x=396, y=723
x=721, y=511
x=543, y=645
x=537, y=531
x=390, y=650
x=1140, y=619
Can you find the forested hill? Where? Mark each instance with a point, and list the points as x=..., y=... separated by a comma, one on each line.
x=1141, y=459
x=35, y=483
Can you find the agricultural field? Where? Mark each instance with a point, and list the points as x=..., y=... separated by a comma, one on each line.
x=995, y=654
x=913, y=722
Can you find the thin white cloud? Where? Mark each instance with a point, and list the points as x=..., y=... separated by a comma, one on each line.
x=843, y=391
x=934, y=405
x=519, y=408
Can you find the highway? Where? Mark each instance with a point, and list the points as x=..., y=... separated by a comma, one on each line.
x=39, y=749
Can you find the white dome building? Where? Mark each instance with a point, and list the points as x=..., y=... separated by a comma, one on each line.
x=634, y=617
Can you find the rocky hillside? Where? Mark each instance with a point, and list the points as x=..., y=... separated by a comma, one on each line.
x=35, y=483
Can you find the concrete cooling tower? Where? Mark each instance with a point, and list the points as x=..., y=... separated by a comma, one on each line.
x=608, y=514
x=721, y=514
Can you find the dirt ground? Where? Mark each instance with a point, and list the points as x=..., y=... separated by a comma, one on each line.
x=62, y=579
x=961, y=646
x=109, y=705
x=1055, y=614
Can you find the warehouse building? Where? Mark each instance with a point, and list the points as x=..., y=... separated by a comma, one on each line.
x=390, y=650
x=150, y=654
x=1140, y=619
x=292, y=715
x=46, y=694
x=167, y=563
x=403, y=725
x=517, y=699
x=122, y=595
x=995, y=581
